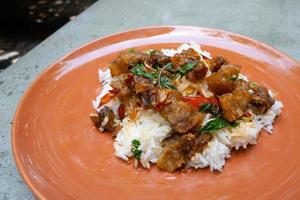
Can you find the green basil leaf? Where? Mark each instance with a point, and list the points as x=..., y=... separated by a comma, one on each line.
x=169, y=67
x=169, y=86
x=234, y=124
x=135, y=151
x=166, y=83
x=139, y=69
x=189, y=66
x=216, y=124
x=205, y=107
x=135, y=143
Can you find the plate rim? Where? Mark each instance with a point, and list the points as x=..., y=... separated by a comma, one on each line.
x=20, y=165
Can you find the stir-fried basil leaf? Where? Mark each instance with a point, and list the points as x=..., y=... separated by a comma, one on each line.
x=205, y=107
x=166, y=83
x=139, y=69
x=211, y=108
x=134, y=149
x=216, y=124
x=135, y=143
x=169, y=67
x=186, y=68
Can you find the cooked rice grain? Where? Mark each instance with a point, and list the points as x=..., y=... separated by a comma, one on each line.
x=150, y=129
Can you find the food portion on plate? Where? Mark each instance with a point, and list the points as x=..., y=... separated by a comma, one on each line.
x=180, y=108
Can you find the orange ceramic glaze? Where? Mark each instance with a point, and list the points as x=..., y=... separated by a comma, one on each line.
x=62, y=156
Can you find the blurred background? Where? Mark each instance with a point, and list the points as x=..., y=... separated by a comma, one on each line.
x=25, y=23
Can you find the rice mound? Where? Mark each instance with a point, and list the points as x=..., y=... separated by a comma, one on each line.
x=242, y=135
x=213, y=156
x=151, y=128
x=267, y=119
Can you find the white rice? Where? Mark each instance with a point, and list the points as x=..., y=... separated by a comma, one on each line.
x=240, y=136
x=213, y=156
x=246, y=133
x=267, y=119
x=151, y=129
x=105, y=79
x=186, y=46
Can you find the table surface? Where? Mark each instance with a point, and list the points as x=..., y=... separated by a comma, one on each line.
x=274, y=22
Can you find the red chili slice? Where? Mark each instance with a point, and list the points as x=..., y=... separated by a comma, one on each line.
x=197, y=101
x=121, y=111
x=106, y=98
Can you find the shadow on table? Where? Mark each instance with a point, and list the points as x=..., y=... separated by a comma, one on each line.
x=25, y=23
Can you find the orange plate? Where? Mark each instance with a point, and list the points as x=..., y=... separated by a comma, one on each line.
x=62, y=156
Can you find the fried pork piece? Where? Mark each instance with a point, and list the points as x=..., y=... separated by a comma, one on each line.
x=178, y=150
x=241, y=94
x=158, y=58
x=230, y=107
x=123, y=61
x=146, y=91
x=142, y=84
x=199, y=144
x=123, y=86
x=104, y=119
x=182, y=116
x=216, y=63
x=222, y=81
x=190, y=56
x=242, y=97
x=234, y=104
x=239, y=83
x=261, y=101
x=129, y=87
x=197, y=73
x=175, y=152
x=185, y=57
x=171, y=158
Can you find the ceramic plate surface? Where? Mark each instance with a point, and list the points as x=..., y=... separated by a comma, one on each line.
x=62, y=156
